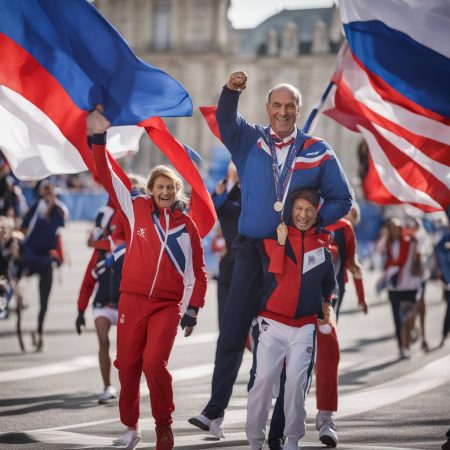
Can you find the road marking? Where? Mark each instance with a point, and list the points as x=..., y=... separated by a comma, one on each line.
x=195, y=441
x=90, y=361
x=427, y=377
x=71, y=365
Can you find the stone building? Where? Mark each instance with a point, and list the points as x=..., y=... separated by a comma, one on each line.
x=193, y=40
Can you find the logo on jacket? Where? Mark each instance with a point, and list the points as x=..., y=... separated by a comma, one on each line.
x=122, y=318
x=309, y=350
x=141, y=233
x=264, y=326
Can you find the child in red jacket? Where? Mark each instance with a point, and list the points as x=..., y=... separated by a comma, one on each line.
x=299, y=282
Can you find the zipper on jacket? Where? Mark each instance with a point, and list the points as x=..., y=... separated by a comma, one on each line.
x=163, y=246
x=302, y=257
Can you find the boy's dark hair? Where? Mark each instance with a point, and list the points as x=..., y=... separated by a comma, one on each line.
x=312, y=195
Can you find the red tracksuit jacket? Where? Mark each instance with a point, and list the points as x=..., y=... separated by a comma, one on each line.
x=164, y=257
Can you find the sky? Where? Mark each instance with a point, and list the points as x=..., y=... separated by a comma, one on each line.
x=250, y=13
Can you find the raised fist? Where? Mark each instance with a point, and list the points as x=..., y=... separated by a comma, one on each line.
x=237, y=81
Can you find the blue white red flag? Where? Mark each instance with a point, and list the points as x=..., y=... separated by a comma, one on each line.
x=392, y=86
x=59, y=59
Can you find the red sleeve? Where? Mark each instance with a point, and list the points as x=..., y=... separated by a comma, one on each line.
x=102, y=244
x=350, y=244
x=59, y=247
x=113, y=179
x=275, y=254
x=198, y=262
x=359, y=289
x=88, y=284
x=117, y=229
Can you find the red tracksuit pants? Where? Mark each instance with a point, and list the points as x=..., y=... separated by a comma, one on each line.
x=146, y=332
x=327, y=363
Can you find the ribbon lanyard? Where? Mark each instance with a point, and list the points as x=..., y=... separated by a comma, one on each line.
x=281, y=180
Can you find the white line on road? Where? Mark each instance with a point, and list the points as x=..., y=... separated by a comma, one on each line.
x=71, y=365
x=87, y=362
x=427, y=377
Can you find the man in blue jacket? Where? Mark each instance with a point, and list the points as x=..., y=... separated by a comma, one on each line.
x=271, y=162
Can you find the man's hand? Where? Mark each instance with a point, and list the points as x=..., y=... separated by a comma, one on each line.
x=237, y=81
x=80, y=322
x=97, y=123
x=282, y=232
x=220, y=187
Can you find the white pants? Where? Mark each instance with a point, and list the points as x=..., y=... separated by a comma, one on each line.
x=278, y=342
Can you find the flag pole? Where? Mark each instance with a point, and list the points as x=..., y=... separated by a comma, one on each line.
x=312, y=121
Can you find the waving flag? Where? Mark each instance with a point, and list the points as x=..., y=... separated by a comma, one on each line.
x=209, y=114
x=392, y=86
x=59, y=60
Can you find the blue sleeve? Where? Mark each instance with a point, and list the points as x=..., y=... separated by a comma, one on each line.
x=335, y=190
x=29, y=214
x=219, y=200
x=237, y=135
x=443, y=257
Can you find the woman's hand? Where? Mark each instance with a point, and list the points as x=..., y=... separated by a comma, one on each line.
x=188, y=331
x=97, y=123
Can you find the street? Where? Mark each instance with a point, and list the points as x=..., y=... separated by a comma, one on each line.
x=48, y=400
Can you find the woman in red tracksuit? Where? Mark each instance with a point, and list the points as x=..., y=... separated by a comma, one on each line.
x=163, y=275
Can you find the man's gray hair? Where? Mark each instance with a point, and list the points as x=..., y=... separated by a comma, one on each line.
x=293, y=89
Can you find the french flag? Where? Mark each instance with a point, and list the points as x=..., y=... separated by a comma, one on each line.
x=391, y=85
x=59, y=59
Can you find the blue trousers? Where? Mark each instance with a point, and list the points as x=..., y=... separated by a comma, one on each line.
x=240, y=308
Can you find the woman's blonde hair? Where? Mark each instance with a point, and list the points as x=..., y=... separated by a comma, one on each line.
x=168, y=172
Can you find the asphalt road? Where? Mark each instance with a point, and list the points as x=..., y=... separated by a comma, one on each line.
x=49, y=400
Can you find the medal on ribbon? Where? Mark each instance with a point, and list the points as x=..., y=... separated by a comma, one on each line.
x=281, y=180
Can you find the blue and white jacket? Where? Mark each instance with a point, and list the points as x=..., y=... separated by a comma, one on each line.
x=316, y=166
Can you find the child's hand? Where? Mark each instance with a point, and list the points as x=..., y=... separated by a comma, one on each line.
x=282, y=232
x=327, y=311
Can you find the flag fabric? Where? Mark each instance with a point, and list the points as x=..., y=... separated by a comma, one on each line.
x=209, y=114
x=58, y=61
x=201, y=207
x=391, y=85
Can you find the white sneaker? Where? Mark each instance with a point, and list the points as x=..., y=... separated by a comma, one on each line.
x=130, y=439
x=200, y=421
x=215, y=428
x=326, y=428
x=108, y=394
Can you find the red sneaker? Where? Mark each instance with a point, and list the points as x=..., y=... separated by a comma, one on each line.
x=164, y=438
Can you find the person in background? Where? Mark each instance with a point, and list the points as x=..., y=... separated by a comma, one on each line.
x=425, y=246
x=98, y=278
x=402, y=276
x=343, y=247
x=103, y=275
x=163, y=276
x=42, y=248
x=442, y=250
x=299, y=282
x=227, y=201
